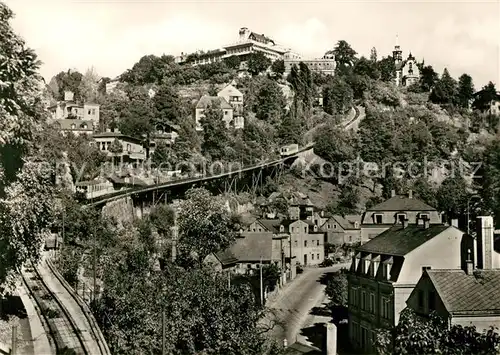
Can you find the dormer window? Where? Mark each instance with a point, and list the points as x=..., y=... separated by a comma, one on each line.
x=424, y=216
x=282, y=228
x=356, y=225
x=400, y=217
x=315, y=228
x=377, y=218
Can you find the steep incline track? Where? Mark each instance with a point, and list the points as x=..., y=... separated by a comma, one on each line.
x=66, y=318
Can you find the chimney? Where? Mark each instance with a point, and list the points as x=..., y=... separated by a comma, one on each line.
x=410, y=194
x=68, y=96
x=484, y=240
x=469, y=264
x=393, y=193
x=331, y=339
x=405, y=223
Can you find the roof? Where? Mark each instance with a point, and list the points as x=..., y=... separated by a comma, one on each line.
x=207, y=101
x=272, y=225
x=400, y=241
x=260, y=38
x=348, y=221
x=115, y=135
x=402, y=203
x=231, y=90
x=253, y=247
x=90, y=182
x=66, y=124
x=478, y=293
x=226, y=257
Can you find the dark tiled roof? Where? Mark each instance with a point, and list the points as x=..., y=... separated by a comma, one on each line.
x=402, y=203
x=65, y=124
x=226, y=257
x=461, y=293
x=253, y=246
x=400, y=241
x=260, y=38
x=347, y=222
x=272, y=225
x=207, y=101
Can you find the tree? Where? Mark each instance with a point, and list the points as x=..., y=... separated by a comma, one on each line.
x=88, y=86
x=163, y=155
x=445, y=90
x=337, y=97
x=215, y=135
x=452, y=196
x=205, y=225
x=233, y=62
x=69, y=81
x=290, y=130
x=26, y=181
x=278, y=68
x=136, y=119
x=344, y=54
x=387, y=69
x=336, y=289
x=465, y=90
x=484, y=97
x=428, y=78
x=167, y=105
x=414, y=335
x=270, y=102
x=348, y=202
x=365, y=67
x=115, y=148
x=257, y=63
x=334, y=145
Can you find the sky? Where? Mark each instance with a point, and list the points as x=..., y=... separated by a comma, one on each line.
x=463, y=36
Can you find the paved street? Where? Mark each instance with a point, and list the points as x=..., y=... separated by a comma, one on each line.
x=292, y=306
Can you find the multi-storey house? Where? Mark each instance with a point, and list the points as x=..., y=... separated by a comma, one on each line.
x=342, y=230
x=132, y=148
x=407, y=71
x=72, y=116
x=385, y=270
x=464, y=296
x=235, y=98
x=383, y=216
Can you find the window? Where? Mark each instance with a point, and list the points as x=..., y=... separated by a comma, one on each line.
x=385, y=305
x=400, y=217
x=317, y=243
x=318, y=256
x=372, y=303
x=420, y=299
x=225, y=112
x=356, y=225
x=282, y=228
x=363, y=300
x=378, y=219
x=424, y=216
x=73, y=126
x=432, y=301
x=296, y=243
x=305, y=243
x=129, y=147
x=334, y=226
x=312, y=256
x=350, y=238
x=305, y=229
x=328, y=226
x=315, y=228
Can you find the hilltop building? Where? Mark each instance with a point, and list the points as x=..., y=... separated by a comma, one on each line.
x=248, y=42
x=325, y=65
x=75, y=117
x=407, y=71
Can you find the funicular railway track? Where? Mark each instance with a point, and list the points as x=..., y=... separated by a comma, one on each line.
x=70, y=329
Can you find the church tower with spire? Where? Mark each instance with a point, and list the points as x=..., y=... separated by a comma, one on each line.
x=407, y=71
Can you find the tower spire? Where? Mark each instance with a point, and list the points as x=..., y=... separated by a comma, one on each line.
x=397, y=39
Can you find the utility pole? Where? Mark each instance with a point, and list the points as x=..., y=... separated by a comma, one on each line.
x=229, y=278
x=261, y=290
x=94, y=273
x=163, y=351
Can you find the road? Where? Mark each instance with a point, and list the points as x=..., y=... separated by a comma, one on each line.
x=291, y=307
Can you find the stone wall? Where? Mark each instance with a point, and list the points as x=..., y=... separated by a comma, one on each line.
x=122, y=210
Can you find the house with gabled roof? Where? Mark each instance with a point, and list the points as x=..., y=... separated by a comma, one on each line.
x=386, y=269
x=235, y=98
x=214, y=102
x=466, y=295
x=386, y=214
x=342, y=230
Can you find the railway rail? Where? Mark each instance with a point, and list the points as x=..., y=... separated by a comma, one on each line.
x=70, y=327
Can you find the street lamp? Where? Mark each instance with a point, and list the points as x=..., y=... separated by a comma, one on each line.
x=468, y=212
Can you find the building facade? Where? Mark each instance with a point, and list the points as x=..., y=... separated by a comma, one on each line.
x=132, y=148
x=217, y=103
x=407, y=71
x=383, y=216
x=235, y=98
x=468, y=295
x=325, y=65
x=385, y=270
x=342, y=230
